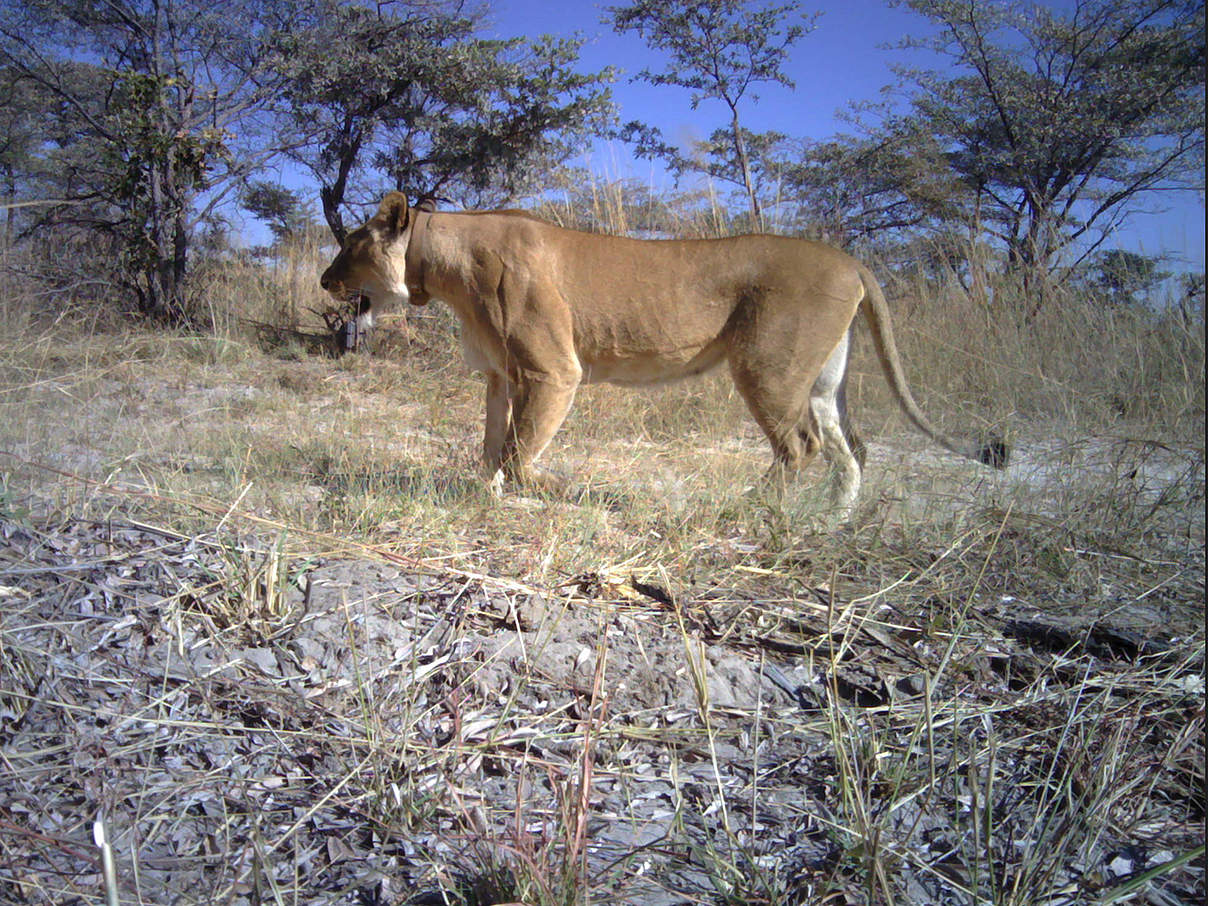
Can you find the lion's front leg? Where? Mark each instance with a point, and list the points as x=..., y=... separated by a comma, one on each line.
x=542, y=373
x=538, y=409
x=497, y=430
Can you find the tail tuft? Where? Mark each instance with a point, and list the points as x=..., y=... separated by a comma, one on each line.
x=995, y=453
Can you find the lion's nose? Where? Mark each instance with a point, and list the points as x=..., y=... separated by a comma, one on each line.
x=325, y=280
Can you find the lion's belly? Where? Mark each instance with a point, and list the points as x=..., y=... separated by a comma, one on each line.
x=641, y=340
x=637, y=368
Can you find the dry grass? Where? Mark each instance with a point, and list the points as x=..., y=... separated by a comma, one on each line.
x=259, y=618
x=1078, y=363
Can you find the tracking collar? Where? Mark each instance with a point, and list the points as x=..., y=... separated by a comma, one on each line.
x=413, y=261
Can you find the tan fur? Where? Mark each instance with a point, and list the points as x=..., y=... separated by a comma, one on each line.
x=544, y=309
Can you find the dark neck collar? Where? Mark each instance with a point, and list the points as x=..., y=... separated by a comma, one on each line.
x=414, y=260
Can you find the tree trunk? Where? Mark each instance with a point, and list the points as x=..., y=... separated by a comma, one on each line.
x=332, y=196
x=744, y=162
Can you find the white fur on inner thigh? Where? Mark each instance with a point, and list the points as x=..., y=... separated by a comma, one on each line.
x=824, y=403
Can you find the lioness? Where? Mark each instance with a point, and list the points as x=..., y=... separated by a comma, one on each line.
x=543, y=309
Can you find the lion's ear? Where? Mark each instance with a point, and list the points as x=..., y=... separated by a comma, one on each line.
x=393, y=212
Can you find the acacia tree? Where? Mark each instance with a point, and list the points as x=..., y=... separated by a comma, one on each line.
x=1059, y=123
x=282, y=210
x=755, y=162
x=1125, y=278
x=851, y=189
x=149, y=116
x=398, y=95
x=145, y=122
x=19, y=130
x=717, y=50
x=349, y=69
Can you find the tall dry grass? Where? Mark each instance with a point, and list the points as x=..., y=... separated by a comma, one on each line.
x=1072, y=359
x=236, y=291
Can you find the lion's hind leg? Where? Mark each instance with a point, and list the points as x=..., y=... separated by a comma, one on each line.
x=845, y=468
x=788, y=355
x=828, y=408
x=782, y=411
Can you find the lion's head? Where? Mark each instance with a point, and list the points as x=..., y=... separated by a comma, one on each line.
x=372, y=261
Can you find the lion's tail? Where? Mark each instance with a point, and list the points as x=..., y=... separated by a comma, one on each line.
x=992, y=451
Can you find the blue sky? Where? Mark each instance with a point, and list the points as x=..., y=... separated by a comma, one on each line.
x=844, y=60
